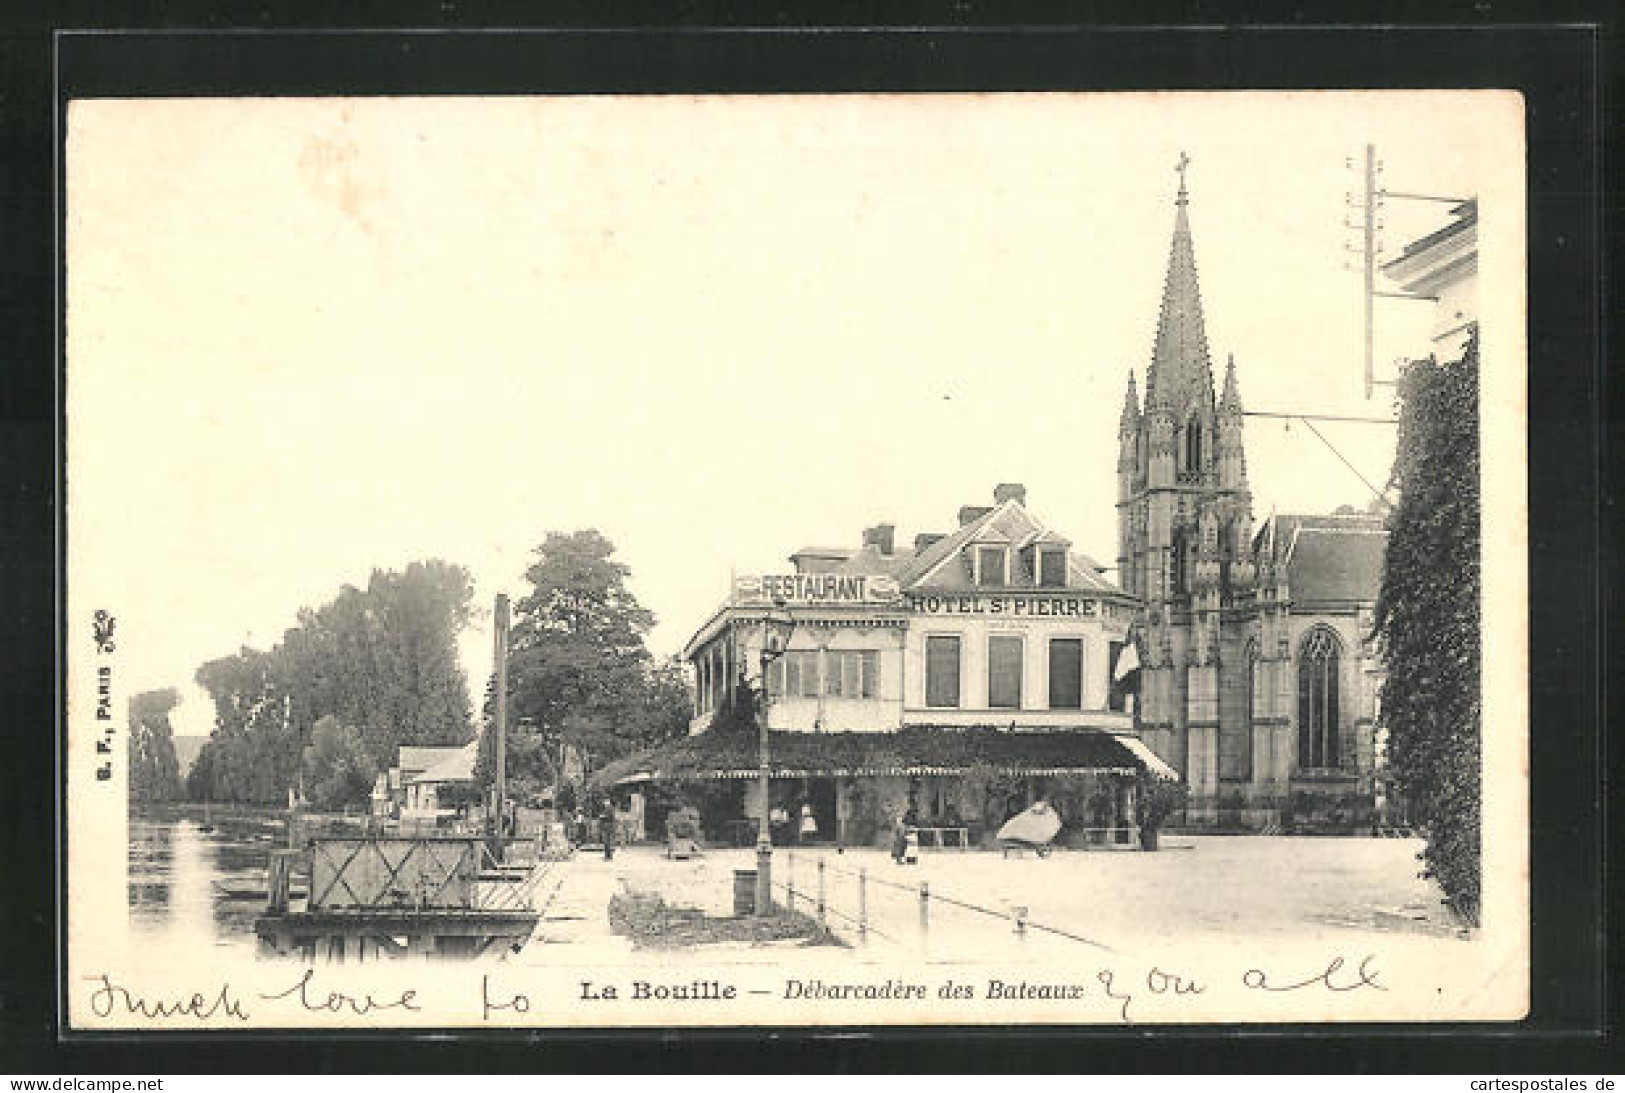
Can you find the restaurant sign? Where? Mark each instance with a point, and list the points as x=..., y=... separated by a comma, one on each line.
x=817, y=588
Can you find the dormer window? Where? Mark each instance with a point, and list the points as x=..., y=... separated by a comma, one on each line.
x=1052, y=567
x=992, y=566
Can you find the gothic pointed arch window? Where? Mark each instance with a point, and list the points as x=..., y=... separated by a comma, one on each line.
x=1318, y=700
x=1193, y=445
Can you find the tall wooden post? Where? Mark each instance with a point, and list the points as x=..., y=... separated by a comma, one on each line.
x=1369, y=254
x=500, y=714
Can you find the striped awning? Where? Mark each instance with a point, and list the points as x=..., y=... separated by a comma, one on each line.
x=1148, y=758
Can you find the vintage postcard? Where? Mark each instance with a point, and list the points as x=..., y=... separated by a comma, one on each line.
x=799, y=560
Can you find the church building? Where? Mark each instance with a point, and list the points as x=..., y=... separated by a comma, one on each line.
x=1258, y=678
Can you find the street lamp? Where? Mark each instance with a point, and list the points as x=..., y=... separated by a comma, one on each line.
x=777, y=626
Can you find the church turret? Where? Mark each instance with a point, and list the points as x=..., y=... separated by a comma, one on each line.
x=1128, y=425
x=1129, y=474
x=1232, y=457
x=1128, y=441
x=1230, y=401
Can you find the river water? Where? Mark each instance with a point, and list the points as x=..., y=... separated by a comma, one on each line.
x=190, y=887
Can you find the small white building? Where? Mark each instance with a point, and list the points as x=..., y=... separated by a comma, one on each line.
x=1443, y=266
x=456, y=767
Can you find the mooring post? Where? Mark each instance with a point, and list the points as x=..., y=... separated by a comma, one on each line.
x=790, y=880
x=820, y=891
x=1019, y=914
x=925, y=907
x=863, y=904
x=276, y=881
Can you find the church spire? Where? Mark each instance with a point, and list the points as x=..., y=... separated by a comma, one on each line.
x=1180, y=374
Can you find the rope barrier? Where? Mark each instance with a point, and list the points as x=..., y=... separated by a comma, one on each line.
x=830, y=908
x=933, y=894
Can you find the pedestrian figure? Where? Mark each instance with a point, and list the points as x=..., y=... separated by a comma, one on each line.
x=899, y=840
x=606, y=830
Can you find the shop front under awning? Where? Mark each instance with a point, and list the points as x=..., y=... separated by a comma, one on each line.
x=915, y=750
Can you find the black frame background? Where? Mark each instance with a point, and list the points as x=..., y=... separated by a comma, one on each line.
x=1558, y=68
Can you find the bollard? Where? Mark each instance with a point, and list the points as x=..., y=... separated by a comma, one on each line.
x=820, y=891
x=925, y=906
x=278, y=878
x=1020, y=915
x=863, y=904
x=790, y=881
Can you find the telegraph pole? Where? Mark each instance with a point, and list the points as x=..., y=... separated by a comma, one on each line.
x=1370, y=206
x=1370, y=255
x=500, y=713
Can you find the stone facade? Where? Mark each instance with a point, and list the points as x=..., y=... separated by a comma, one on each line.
x=1265, y=738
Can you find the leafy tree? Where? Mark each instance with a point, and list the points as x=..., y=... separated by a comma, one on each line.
x=249, y=714
x=155, y=773
x=579, y=673
x=338, y=770
x=1156, y=799
x=739, y=711
x=1428, y=619
x=382, y=660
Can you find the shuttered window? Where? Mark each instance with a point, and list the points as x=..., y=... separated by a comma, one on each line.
x=853, y=673
x=796, y=674
x=1052, y=568
x=1004, y=673
x=1066, y=674
x=990, y=566
x=942, y=671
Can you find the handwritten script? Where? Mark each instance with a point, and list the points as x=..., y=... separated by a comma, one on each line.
x=324, y=993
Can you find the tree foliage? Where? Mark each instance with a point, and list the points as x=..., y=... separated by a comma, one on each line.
x=1157, y=798
x=381, y=660
x=337, y=769
x=579, y=672
x=155, y=773
x=1428, y=616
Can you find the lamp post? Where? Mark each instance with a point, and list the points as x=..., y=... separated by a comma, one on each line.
x=777, y=627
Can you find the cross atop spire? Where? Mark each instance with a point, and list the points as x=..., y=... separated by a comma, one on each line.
x=1184, y=162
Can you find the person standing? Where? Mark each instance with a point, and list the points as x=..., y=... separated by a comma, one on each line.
x=809, y=824
x=606, y=830
x=899, y=840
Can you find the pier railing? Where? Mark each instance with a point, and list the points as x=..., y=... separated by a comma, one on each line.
x=418, y=872
x=849, y=895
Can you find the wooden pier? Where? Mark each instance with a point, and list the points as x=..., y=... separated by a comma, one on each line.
x=377, y=897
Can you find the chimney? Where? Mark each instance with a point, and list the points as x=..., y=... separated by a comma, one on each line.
x=879, y=537
x=1010, y=491
x=925, y=540
x=969, y=514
